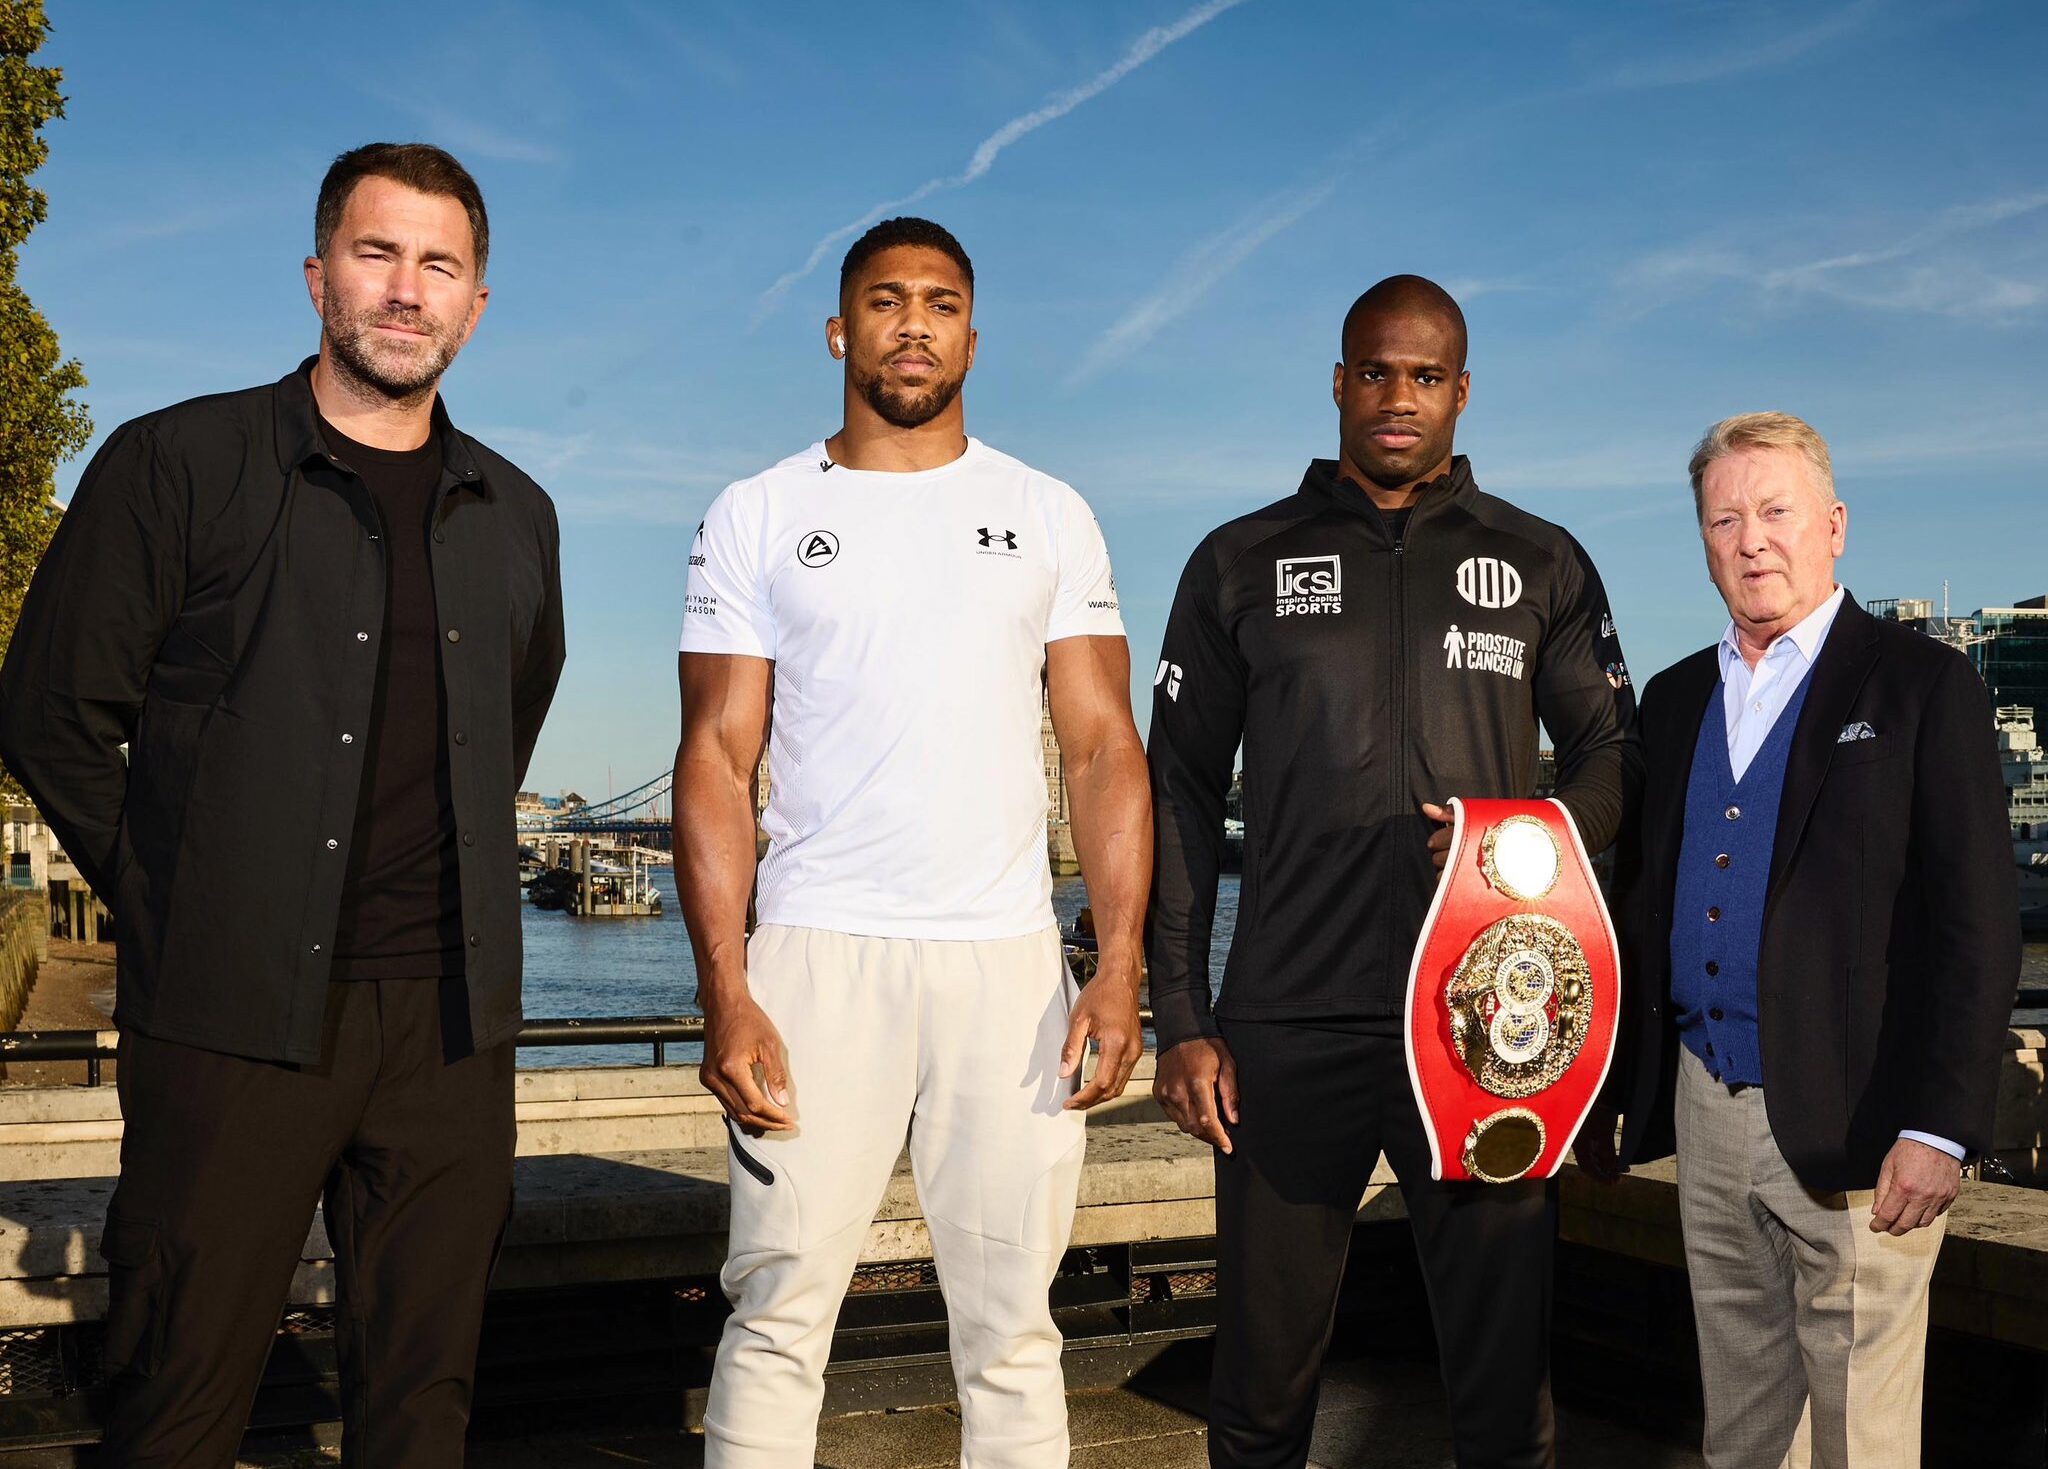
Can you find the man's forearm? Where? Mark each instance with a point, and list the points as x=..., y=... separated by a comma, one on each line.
x=714, y=860
x=74, y=773
x=1113, y=834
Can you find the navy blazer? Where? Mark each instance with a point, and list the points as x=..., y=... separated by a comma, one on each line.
x=1891, y=945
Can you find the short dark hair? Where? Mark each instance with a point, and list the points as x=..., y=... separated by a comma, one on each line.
x=1406, y=295
x=907, y=229
x=419, y=166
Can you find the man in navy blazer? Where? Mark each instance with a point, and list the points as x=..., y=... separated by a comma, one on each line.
x=1820, y=915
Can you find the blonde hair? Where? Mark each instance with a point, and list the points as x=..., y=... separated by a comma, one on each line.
x=1762, y=431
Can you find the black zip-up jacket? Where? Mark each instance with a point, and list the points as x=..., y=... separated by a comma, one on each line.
x=214, y=599
x=1364, y=675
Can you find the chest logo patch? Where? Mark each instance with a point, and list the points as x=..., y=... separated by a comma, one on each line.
x=1484, y=652
x=1306, y=586
x=1487, y=581
x=818, y=548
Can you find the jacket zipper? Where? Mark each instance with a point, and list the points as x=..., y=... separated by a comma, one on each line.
x=1398, y=744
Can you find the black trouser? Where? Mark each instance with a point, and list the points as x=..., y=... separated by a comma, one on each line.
x=1317, y=1107
x=222, y=1160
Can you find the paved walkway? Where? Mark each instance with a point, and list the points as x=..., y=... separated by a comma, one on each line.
x=1386, y=1414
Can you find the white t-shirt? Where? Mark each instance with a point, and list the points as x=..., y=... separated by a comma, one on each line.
x=907, y=617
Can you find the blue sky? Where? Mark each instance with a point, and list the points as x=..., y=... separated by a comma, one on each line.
x=1655, y=214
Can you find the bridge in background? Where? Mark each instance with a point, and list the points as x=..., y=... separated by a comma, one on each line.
x=640, y=813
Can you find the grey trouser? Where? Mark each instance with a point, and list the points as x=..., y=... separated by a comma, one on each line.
x=1812, y=1328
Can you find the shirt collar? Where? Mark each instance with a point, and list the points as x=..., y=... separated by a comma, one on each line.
x=299, y=438
x=1804, y=637
x=1324, y=479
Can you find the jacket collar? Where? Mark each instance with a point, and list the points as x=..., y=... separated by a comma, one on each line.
x=1322, y=481
x=1844, y=662
x=299, y=438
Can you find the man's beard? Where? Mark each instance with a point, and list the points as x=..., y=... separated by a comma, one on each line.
x=909, y=408
x=395, y=372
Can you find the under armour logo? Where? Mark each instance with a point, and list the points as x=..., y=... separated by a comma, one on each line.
x=1007, y=537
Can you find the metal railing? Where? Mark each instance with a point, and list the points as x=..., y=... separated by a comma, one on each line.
x=656, y=1031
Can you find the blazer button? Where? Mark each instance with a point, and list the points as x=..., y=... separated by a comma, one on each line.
x=454, y=636
x=1721, y=860
x=348, y=739
x=1715, y=1013
x=1713, y=915
x=362, y=637
x=439, y=537
x=461, y=738
x=1712, y=967
x=469, y=839
x=1732, y=813
x=475, y=940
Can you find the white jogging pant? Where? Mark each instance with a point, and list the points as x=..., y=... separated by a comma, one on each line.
x=959, y=1045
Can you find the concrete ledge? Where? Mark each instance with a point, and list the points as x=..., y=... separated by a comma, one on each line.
x=1991, y=1280
x=75, y=1131
x=633, y=1215
x=622, y=1176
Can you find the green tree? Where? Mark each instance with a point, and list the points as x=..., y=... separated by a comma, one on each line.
x=41, y=425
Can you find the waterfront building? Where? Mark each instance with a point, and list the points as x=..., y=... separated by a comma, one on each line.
x=2013, y=658
x=2008, y=645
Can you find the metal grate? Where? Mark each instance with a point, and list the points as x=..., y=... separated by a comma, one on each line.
x=1175, y=1285
x=307, y=1321
x=33, y=1364
x=910, y=1275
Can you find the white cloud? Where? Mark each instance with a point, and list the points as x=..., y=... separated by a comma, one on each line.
x=1140, y=51
x=1756, y=55
x=1934, y=269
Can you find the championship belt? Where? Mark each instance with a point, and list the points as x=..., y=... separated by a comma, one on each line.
x=1513, y=995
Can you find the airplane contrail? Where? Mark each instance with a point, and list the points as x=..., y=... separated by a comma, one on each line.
x=1140, y=51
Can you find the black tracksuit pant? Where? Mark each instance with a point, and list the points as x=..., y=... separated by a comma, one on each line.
x=1317, y=1107
x=222, y=1161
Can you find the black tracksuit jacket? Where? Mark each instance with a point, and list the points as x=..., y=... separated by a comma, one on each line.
x=1363, y=675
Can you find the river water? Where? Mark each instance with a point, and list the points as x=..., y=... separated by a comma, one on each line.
x=642, y=966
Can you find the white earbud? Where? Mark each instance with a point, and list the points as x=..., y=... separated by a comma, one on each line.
x=839, y=344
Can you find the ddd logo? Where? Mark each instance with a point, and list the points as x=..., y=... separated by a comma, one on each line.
x=1486, y=581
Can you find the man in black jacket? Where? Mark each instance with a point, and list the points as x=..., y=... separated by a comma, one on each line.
x=326, y=625
x=1382, y=640
x=1820, y=915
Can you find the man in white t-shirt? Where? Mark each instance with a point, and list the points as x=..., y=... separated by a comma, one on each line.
x=881, y=609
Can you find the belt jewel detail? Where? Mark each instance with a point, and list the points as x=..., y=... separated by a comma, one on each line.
x=1520, y=857
x=1519, y=1004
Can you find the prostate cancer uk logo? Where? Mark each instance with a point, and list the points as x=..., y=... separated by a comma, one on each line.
x=1307, y=586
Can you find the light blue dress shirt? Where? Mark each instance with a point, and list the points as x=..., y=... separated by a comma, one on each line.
x=1753, y=698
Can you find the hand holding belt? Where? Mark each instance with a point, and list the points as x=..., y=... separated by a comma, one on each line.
x=1513, y=995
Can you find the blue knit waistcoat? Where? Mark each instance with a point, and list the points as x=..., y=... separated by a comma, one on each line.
x=1724, y=869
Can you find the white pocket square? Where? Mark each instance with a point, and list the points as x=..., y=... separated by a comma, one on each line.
x=1857, y=731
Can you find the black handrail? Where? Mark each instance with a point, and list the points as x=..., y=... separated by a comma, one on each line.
x=658, y=1031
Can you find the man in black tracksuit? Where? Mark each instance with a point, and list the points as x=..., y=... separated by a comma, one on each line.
x=1380, y=641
